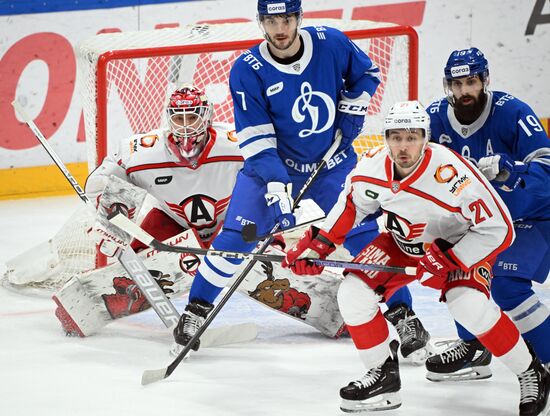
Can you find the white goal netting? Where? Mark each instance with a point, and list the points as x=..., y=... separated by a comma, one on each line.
x=125, y=78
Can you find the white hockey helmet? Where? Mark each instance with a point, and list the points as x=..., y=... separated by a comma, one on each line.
x=407, y=115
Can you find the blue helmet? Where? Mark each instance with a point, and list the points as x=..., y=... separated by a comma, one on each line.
x=273, y=7
x=466, y=62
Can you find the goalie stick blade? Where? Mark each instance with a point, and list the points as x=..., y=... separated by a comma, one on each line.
x=152, y=376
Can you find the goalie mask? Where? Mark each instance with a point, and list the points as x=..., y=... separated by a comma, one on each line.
x=411, y=117
x=189, y=116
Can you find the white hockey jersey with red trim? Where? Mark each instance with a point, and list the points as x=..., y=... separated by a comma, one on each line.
x=195, y=196
x=444, y=197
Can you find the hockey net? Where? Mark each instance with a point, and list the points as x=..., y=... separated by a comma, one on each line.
x=126, y=77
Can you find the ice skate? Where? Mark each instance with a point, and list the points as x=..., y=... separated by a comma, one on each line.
x=463, y=360
x=414, y=338
x=534, y=385
x=377, y=390
x=190, y=321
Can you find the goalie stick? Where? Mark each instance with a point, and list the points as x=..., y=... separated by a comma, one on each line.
x=139, y=233
x=129, y=259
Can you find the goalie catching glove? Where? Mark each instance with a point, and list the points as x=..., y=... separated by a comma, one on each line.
x=500, y=168
x=108, y=238
x=434, y=268
x=313, y=243
x=279, y=199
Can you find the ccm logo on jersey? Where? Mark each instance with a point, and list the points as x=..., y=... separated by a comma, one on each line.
x=460, y=71
x=275, y=88
x=445, y=173
x=163, y=180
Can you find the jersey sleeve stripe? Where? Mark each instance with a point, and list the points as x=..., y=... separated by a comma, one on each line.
x=253, y=131
x=253, y=147
x=541, y=156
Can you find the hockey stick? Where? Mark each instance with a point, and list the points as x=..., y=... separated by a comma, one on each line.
x=139, y=233
x=151, y=376
x=128, y=258
x=249, y=230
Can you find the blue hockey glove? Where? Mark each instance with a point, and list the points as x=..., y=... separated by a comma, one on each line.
x=279, y=199
x=350, y=118
x=502, y=170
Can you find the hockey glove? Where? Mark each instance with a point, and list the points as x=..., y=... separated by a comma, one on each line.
x=350, y=119
x=434, y=268
x=312, y=244
x=108, y=237
x=500, y=168
x=279, y=199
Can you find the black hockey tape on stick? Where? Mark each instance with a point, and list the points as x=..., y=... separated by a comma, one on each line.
x=139, y=233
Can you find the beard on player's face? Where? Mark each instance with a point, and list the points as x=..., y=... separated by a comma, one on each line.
x=469, y=107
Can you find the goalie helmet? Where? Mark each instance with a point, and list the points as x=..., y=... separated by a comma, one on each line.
x=407, y=115
x=189, y=116
x=274, y=7
x=465, y=63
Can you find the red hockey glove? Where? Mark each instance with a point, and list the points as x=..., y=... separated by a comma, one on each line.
x=311, y=244
x=434, y=268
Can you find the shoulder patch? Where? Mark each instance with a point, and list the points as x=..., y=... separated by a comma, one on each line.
x=232, y=136
x=445, y=173
x=148, y=141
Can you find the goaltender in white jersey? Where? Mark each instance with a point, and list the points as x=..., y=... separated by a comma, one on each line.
x=442, y=217
x=191, y=176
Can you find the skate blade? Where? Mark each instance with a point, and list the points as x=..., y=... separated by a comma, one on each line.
x=466, y=374
x=386, y=401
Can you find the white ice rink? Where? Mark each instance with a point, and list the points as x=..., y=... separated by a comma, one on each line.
x=288, y=370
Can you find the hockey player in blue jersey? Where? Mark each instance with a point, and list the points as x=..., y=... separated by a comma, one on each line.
x=505, y=139
x=290, y=95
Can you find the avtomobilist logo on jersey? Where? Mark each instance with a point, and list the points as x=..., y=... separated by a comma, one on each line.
x=302, y=104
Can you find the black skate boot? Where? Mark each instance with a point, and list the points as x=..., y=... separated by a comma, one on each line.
x=463, y=360
x=534, y=384
x=190, y=321
x=377, y=390
x=412, y=334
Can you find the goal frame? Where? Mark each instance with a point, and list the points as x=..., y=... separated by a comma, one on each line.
x=105, y=58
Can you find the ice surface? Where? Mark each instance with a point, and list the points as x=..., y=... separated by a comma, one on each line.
x=288, y=370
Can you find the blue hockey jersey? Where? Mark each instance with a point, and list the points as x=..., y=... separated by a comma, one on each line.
x=506, y=125
x=284, y=114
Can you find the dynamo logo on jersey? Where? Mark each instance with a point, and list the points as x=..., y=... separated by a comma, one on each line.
x=302, y=106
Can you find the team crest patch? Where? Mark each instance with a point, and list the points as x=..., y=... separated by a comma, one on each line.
x=464, y=131
x=395, y=186
x=148, y=141
x=445, y=173
x=189, y=263
x=296, y=67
